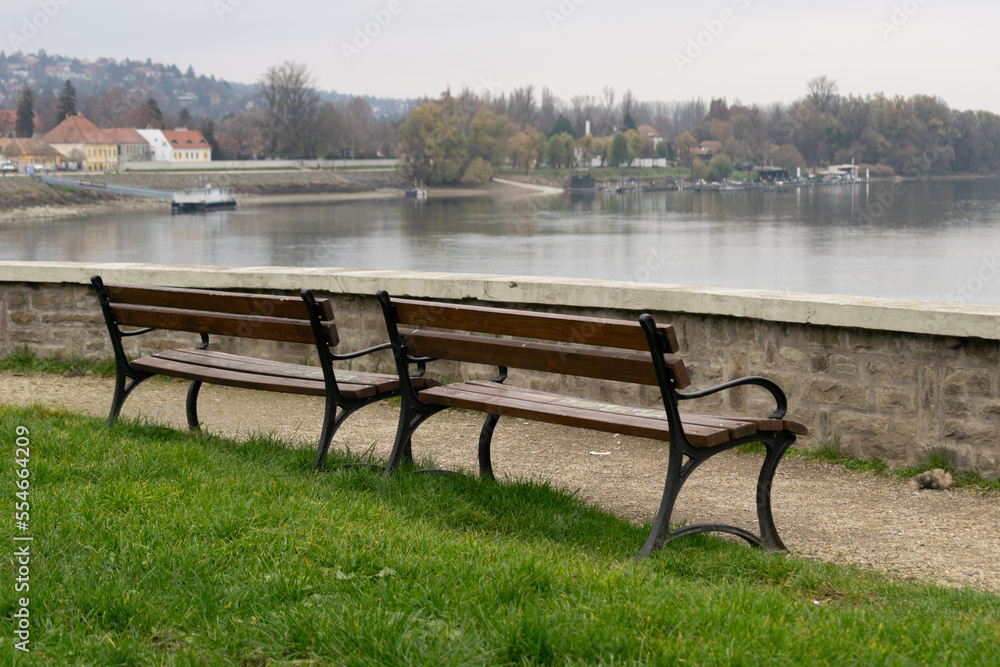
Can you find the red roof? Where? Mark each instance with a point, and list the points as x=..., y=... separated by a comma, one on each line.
x=77, y=130
x=125, y=135
x=8, y=121
x=185, y=139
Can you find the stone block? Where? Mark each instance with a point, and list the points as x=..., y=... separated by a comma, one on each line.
x=900, y=371
x=819, y=363
x=836, y=393
x=20, y=334
x=47, y=298
x=973, y=381
x=892, y=398
x=828, y=338
x=906, y=426
x=970, y=432
x=880, y=342
x=983, y=350
x=845, y=366
x=23, y=317
x=17, y=298
x=792, y=358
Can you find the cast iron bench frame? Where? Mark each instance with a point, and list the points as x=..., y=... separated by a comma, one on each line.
x=260, y=316
x=423, y=331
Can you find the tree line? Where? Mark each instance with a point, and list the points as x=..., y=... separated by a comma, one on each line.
x=470, y=134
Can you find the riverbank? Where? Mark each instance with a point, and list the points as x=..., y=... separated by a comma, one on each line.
x=24, y=198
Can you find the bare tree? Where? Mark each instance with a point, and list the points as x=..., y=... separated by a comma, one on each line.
x=521, y=107
x=292, y=108
x=824, y=94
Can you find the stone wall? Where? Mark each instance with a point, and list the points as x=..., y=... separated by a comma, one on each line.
x=886, y=378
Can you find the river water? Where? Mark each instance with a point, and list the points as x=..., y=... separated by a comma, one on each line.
x=930, y=240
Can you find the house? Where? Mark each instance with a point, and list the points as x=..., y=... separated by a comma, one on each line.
x=84, y=143
x=188, y=146
x=8, y=122
x=132, y=147
x=24, y=152
x=648, y=132
x=159, y=147
x=706, y=149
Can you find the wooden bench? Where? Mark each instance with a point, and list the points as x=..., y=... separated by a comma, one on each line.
x=260, y=316
x=630, y=352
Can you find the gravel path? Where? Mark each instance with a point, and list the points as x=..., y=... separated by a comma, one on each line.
x=822, y=511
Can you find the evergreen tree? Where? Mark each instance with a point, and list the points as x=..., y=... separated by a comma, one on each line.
x=562, y=125
x=25, y=125
x=155, y=114
x=67, y=103
x=629, y=123
x=184, y=118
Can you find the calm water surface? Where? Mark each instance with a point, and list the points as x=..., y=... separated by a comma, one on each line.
x=936, y=241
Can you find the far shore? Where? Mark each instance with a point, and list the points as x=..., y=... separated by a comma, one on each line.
x=496, y=189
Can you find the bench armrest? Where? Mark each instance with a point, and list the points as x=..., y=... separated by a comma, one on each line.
x=770, y=385
x=360, y=353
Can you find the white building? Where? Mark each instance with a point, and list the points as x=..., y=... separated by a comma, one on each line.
x=160, y=149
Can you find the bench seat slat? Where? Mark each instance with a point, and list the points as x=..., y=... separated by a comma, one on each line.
x=234, y=303
x=210, y=358
x=287, y=385
x=530, y=405
x=578, y=330
x=738, y=427
x=225, y=324
x=601, y=364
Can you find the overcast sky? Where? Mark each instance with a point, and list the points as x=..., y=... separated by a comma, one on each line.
x=752, y=50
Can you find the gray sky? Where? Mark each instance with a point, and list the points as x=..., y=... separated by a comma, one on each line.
x=752, y=50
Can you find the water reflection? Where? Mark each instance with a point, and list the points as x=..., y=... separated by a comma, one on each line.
x=919, y=240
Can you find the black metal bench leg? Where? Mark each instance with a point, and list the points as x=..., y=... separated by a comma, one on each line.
x=124, y=384
x=192, y=405
x=485, y=438
x=332, y=420
x=775, y=450
x=402, y=448
x=661, y=525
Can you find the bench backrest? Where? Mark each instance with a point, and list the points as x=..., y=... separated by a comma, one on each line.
x=548, y=342
x=279, y=318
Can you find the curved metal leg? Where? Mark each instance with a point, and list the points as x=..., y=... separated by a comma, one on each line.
x=775, y=450
x=485, y=438
x=192, y=405
x=661, y=525
x=402, y=448
x=124, y=384
x=677, y=473
x=332, y=419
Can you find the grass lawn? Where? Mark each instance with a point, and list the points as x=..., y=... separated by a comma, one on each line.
x=153, y=546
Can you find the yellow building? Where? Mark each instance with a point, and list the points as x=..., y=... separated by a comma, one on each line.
x=25, y=152
x=188, y=146
x=82, y=142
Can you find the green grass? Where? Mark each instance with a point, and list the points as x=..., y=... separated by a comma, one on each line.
x=23, y=359
x=154, y=546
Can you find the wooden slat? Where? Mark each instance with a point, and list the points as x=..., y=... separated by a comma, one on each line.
x=455, y=395
x=234, y=303
x=225, y=324
x=528, y=324
x=737, y=428
x=246, y=380
x=584, y=362
x=381, y=383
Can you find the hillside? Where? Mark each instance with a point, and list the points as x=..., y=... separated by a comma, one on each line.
x=172, y=88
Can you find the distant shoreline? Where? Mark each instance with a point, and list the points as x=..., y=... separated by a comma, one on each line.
x=34, y=201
